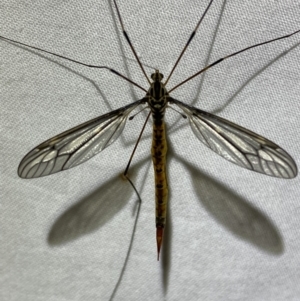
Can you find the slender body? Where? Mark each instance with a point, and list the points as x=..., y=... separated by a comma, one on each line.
x=157, y=98
x=231, y=141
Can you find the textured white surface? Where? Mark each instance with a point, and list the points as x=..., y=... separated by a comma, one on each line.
x=233, y=234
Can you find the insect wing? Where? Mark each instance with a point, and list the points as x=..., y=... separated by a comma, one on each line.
x=76, y=145
x=239, y=145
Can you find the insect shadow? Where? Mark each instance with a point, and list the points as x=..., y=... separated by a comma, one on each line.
x=255, y=215
x=233, y=211
x=94, y=210
x=202, y=77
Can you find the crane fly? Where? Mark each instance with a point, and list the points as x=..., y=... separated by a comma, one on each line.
x=233, y=142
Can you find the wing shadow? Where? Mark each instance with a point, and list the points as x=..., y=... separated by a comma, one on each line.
x=93, y=211
x=234, y=212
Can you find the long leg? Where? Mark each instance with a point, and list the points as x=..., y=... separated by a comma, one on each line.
x=131, y=240
x=135, y=147
x=74, y=61
x=137, y=213
x=189, y=41
x=129, y=42
x=231, y=55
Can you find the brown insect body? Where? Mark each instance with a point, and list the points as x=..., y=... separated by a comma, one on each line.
x=157, y=98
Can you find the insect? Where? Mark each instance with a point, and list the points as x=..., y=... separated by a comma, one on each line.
x=234, y=143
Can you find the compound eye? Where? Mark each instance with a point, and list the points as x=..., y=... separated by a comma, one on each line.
x=157, y=76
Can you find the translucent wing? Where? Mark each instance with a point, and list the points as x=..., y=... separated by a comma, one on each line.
x=76, y=145
x=239, y=145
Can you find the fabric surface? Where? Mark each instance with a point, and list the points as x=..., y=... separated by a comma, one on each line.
x=233, y=234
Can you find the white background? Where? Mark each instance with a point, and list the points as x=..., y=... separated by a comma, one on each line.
x=233, y=234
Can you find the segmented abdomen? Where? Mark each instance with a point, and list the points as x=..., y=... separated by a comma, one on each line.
x=159, y=151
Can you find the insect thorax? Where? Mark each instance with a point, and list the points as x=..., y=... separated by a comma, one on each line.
x=157, y=96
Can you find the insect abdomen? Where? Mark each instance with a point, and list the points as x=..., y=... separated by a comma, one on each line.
x=159, y=152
